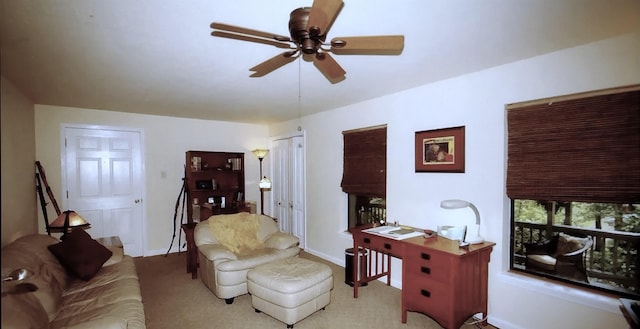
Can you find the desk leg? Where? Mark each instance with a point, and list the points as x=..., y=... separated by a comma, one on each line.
x=192, y=250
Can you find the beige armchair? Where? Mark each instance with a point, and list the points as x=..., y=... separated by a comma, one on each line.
x=231, y=245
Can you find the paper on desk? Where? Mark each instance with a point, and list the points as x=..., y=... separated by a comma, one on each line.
x=394, y=232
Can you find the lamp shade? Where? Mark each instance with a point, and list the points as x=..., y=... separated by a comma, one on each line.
x=260, y=153
x=459, y=204
x=68, y=220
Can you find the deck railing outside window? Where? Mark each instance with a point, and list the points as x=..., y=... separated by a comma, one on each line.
x=611, y=263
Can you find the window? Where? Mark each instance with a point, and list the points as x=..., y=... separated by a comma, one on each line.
x=364, y=175
x=573, y=176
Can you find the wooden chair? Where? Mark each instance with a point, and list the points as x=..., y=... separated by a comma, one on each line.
x=562, y=255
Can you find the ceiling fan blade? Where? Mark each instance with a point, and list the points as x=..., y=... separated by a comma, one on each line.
x=329, y=67
x=244, y=30
x=251, y=39
x=368, y=45
x=272, y=64
x=322, y=15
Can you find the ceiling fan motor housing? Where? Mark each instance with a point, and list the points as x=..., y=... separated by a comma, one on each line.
x=308, y=43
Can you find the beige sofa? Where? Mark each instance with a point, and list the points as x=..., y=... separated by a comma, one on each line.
x=231, y=245
x=65, y=298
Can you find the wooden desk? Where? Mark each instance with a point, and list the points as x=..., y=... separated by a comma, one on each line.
x=192, y=251
x=439, y=279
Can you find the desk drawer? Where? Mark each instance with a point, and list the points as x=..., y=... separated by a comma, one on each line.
x=378, y=243
x=429, y=297
x=427, y=265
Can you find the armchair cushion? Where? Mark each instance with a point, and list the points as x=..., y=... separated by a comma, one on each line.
x=544, y=262
x=281, y=241
x=568, y=244
x=215, y=252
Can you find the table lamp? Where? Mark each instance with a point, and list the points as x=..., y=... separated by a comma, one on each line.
x=67, y=221
x=459, y=204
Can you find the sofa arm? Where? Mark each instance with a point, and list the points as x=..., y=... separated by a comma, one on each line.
x=281, y=241
x=202, y=234
x=117, y=254
x=216, y=252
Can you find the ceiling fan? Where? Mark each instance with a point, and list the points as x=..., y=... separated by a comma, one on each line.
x=308, y=27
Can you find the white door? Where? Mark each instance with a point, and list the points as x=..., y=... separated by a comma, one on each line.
x=289, y=186
x=103, y=171
x=280, y=187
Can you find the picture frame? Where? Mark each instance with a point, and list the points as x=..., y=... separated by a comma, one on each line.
x=440, y=150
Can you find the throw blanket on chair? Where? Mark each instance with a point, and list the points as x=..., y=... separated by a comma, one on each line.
x=237, y=232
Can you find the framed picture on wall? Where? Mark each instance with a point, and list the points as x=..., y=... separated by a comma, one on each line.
x=440, y=150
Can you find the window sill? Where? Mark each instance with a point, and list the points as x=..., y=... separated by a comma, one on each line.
x=558, y=290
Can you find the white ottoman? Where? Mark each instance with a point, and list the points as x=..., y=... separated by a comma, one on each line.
x=290, y=289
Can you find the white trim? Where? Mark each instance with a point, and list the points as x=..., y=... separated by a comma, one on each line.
x=555, y=290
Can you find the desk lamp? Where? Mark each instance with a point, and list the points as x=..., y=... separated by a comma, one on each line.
x=459, y=204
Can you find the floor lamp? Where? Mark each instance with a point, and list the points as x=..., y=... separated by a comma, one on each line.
x=265, y=183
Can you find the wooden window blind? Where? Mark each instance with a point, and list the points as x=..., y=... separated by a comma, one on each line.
x=582, y=148
x=365, y=162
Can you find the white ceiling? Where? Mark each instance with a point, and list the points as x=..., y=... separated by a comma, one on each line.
x=158, y=57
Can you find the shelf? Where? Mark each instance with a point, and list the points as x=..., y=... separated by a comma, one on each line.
x=208, y=171
x=225, y=190
x=225, y=169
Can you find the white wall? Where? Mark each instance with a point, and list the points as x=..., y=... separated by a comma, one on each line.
x=166, y=139
x=18, y=164
x=476, y=101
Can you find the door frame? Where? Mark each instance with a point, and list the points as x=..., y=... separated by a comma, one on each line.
x=143, y=190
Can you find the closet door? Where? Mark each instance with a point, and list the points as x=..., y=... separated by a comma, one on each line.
x=297, y=188
x=289, y=186
x=280, y=189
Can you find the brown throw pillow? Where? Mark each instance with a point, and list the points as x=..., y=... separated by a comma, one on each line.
x=80, y=254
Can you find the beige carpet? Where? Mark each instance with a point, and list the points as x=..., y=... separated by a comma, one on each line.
x=173, y=300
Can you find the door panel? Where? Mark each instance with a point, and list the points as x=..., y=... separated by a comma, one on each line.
x=281, y=184
x=103, y=170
